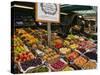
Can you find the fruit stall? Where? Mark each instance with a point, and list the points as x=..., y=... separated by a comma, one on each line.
x=68, y=51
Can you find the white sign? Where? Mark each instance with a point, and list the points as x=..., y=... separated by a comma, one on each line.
x=47, y=12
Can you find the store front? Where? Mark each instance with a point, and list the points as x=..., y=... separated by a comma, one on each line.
x=63, y=39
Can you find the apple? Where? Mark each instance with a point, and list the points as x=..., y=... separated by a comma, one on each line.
x=58, y=45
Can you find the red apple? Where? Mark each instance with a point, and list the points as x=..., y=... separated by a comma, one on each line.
x=58, y=45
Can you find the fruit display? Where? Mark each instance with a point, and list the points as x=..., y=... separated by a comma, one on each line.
x=24, y=56
x=18, y=46
x=65, y=50
x=72, y=56
x=44, y=49
x=85, y=45
x=73, y=46
x=38, y=69
x=30, y=63
x=41, y=34
x=82, y=44
x=90, y=65
x=80, y=61
x=58, y=43
x=52, y=55
x=58, y=65
x=32, y=53
x=91, y=55
x=26, y=37
x=66, y=43
x=72, y=37
x=50, y=37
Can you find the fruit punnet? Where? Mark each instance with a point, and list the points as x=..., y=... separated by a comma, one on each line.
x=80, y=61
x=38, y=69
x=52, y=55
x=72, y=56
x=24, y=56
x=89, y=65
x=65, y=50
x=31, y=63
x=58, y=65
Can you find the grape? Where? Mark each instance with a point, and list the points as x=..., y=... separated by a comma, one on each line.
x=33, y=62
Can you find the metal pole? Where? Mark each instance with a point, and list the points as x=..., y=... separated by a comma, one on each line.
x=49, y=34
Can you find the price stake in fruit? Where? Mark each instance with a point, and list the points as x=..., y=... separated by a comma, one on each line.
x=48, y=12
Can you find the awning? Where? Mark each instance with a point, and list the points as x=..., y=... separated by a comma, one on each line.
x=69, y=8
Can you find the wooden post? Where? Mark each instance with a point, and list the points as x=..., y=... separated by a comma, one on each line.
x=49, y=34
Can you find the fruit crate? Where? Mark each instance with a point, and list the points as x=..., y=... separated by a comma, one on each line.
x=61, y=63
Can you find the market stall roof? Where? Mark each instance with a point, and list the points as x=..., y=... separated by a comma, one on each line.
x=69, y=8
x=23, y=3
x=64, y=7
